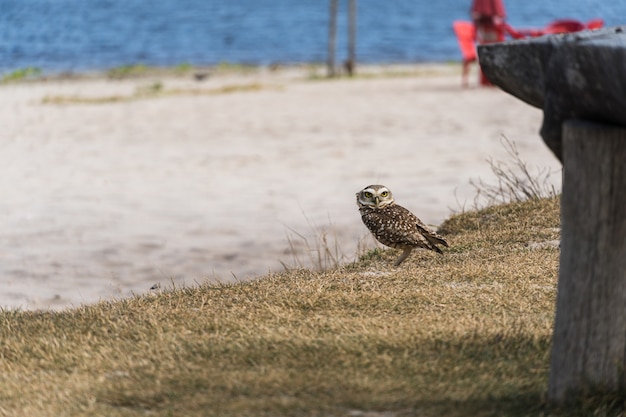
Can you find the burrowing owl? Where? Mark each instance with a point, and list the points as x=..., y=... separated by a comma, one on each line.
x=393, y=225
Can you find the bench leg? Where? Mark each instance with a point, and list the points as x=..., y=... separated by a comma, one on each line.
x=589, y=343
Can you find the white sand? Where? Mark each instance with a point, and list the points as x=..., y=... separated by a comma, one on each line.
x=105, y=200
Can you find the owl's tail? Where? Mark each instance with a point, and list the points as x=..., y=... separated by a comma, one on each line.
x=433, y=238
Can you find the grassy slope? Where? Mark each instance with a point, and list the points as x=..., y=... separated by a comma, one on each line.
x=467, y=333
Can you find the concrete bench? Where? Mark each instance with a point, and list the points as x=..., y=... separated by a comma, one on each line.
x=579, y=80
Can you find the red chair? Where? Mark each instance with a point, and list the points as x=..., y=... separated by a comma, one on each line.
x=595, y=24
x=513, y=33
x=564, y=26
x=465, y=35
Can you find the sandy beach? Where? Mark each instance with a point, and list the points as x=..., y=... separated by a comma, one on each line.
x=112, y=186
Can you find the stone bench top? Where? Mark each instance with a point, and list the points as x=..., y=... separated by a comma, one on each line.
x=574, y=75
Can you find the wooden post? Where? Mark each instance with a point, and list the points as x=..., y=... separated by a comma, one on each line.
x=332, y=36
x=589, y=344
x=351, y=62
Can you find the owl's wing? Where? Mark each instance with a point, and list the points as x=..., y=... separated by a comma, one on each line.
x=424, y=234
x=408, y=229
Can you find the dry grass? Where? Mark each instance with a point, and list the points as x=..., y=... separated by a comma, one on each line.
x=464, y=334
x=321, y=250
x=320, y=253
x=156, y=90
x=516, y=181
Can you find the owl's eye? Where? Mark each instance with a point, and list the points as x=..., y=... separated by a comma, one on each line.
x=367, y=194
x=384, y=193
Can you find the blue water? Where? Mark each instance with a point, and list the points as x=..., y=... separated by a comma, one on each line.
x=81, y=35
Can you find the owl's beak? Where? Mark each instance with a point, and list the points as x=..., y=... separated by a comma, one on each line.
x=377, y=200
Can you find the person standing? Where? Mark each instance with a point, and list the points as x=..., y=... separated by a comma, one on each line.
x=488, y=17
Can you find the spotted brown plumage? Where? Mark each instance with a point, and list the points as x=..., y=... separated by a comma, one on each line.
x=393, y=225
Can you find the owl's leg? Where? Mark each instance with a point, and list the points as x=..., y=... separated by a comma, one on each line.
x=405, y=254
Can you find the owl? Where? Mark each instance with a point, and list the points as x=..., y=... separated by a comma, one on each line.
x=393, y=225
